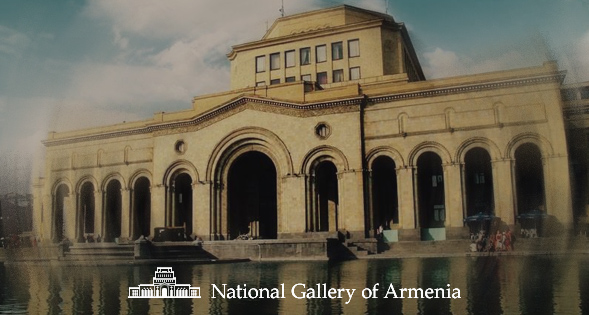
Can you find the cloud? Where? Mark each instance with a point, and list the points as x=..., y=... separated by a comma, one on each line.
x=441, y=63
x=580, y=58
x=12, y=42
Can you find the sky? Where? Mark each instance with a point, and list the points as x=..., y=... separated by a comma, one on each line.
x=69, y=64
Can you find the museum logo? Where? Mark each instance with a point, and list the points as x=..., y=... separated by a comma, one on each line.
x=164, y=286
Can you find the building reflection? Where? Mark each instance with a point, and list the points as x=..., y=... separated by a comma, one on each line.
x=534, y=285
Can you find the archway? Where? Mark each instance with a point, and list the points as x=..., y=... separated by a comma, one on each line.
x=86, y=211
x=529, y=178
x=326, y=199
x=478, y=181
x=431, y=199
x=141, y=208
x=112, y=211
x=61, y=194
x=182, y=209
x=385, y=210
x=252, y=196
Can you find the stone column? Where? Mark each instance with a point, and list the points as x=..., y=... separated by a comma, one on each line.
x=407, y=213
x=98, y=202
x=125, y=212
x=201, y=205
x=70, y=216
x=291, y=206
x=557, y=188
x=453, y=195
x=158, y=206
x=503, y=190
x=351, y=202
x=47, y=218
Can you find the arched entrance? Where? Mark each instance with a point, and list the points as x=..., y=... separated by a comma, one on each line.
x=252, y=197
x=326, y=199
x=430, y=192
x=141, y=208
x=529, y=178
x=112, y=211
x=385, y=210
x=478, y=181
x=181, y=214
x=61, y=195
x=86, y=211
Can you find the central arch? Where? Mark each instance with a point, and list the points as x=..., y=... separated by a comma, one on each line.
x=252, y=196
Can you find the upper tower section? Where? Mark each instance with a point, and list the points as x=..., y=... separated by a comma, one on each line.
x=328, y=46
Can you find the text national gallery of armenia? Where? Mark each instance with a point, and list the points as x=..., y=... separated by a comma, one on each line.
x=330, y=128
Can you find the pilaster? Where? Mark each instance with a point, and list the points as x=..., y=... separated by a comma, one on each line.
x=504, y=193
x=201, y=205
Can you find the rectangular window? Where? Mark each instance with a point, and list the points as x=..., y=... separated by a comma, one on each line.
x=305, y=56
x=306, y=77
x=322, y=77
x=274, y=81
x=337, y=51
x=290, y=79
x=261, y=83
x=289, y=59
x=338, y=75
x=275, y=61
x=260, y=64
x=354, y=48
x=321, y=53
x=355, y=73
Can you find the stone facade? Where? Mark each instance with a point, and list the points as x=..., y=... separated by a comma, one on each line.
x=380, y=146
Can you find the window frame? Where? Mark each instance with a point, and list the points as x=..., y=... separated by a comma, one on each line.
x=318, y=78
x=263, y=63
x=359, y=73
x=334, y=49
x=286, y=59
x=307, y=49
x=349, y=48
x=273, y=65
x=340, y=72
x=324, y=54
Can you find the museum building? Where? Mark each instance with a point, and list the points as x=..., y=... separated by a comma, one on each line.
x=329, y=127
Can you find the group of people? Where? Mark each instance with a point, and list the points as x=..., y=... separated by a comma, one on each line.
x=500, y=241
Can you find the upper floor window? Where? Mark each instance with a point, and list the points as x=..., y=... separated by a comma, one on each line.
x=261, y=83
x=289, y=79
x=306, y=77
x=322, y=77
x=260, y=63
x=305, y=56
x=274, y=81
x=338, y=75
x=354, y=48
x=321, y=53
x=355, y=73
x=275, y=61
x=337, y=51
x=289, y=59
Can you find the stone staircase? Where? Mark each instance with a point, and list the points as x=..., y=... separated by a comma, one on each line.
x=179, y=251
x=92, y=252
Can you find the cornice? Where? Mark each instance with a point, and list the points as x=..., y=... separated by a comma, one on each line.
x=286, y=108
x=557, y=77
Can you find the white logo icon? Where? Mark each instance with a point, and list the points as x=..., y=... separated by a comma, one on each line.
x=164, y=286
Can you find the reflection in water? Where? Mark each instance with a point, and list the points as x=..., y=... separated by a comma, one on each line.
x=488, y=285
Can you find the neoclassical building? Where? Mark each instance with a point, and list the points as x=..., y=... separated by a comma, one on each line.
x=329, y=126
